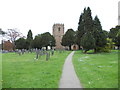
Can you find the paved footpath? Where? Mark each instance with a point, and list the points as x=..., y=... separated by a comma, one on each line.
x=69, y=78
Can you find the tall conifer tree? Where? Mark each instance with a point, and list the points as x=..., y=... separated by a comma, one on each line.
x=99, y=35
x=29, y=39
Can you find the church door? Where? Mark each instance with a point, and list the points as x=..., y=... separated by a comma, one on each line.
x=74, y=47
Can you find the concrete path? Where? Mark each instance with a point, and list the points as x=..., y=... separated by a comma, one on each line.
x=69, y=78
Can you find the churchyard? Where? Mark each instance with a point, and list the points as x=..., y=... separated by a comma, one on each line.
x=97, y=70
x=38, y=62
x=25, y=71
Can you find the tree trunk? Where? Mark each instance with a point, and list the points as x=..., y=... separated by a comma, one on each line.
x=118, y=47
x=70, y=47
x=46, y=48
x=79, y=47
x=13, y=46
x=95, y=50
x=51, y=47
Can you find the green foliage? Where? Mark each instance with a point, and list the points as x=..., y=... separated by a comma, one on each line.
x=106, y=33
x=88, y=26
x=30, y=35
x=99, y=35
x=43, y=40
x=88, y=22
x=29, y=39
x=52, y=41
x=113, y=35
x=88, y=41
x=80, y=30
x=118, y=39
x=69, y=38
x=47, y=40
x=110, y=43
x=21, y=43
x=36, y=43
x=103, y=49
x=85, y=28
x=108, y=47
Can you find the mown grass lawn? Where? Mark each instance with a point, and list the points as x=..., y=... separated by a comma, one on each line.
x=0, y=70
x=24, y=72
x=97, y=70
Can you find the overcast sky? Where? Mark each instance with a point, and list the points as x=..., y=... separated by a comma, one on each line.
x=40, y=15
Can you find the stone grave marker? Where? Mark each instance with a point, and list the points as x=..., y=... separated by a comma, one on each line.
x=52, y=52
x=47, y=56
x=19, y=52
x=23, y=51
x=37, y=53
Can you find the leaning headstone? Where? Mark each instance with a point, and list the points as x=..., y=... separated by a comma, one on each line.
x=16, y=51
x=23, y=51
x=47, y=56
x=52, y=52
x=37, y=53
x=19, y=52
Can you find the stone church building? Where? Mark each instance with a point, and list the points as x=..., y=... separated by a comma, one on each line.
x=58, y=32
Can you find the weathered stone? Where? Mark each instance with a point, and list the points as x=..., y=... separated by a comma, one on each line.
x=47, y=56
x=37, y=54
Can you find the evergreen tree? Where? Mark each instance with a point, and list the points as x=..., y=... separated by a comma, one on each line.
x=36, y=43
x=30, y=35
x=99, y=35
x=88, y=41
x=21, y=43
x=88, y=22
x=87, y=38
x=69, y=38
x=29, y=39
x=52, y=41
x=113, y=34
x=80, y=31
x=47, y=40
x=89, y=29
x=118, y=39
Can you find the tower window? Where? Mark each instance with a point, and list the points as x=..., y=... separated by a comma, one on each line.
x=59, y=29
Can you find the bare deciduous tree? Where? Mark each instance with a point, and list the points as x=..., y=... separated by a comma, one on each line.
x=13, y=34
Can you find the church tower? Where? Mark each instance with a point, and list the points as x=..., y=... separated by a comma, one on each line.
x=58, y=32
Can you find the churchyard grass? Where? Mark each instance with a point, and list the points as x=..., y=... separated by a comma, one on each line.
x=0, y=70
x=97, y=70
x=26, y=72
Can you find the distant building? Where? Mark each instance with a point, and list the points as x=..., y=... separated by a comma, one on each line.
x=7, y=45
x=58, y=32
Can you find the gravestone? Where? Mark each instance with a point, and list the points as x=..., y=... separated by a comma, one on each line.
x=37, y=53
x=19, y=52
x=23, y=51
x=47, y=56
x=52, y=52
x=16, y=51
